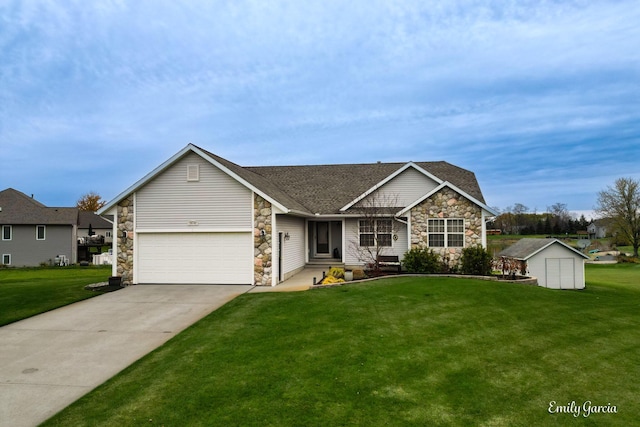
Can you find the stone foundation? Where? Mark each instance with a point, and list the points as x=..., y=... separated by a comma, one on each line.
x=446, y=204
x=263, y=245
x=125, y=244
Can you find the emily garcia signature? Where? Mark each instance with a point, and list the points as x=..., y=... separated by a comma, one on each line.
x=586, y=409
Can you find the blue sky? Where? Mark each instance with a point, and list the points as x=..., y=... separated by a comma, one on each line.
x=541, y=99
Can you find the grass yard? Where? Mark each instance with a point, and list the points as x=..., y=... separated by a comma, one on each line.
x=25, y=292
x=403, y=351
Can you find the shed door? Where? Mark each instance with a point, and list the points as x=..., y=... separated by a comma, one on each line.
x=195, y=258
x=560, y=273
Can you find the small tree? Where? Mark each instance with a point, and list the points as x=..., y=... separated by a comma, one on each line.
x=90, y=202
x=376, y=228
x=620, y=205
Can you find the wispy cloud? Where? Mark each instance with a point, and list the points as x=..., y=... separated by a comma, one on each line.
x=524, y=93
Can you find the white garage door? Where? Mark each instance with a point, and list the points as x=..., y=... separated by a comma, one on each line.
x=560, y=273
x=195, y=258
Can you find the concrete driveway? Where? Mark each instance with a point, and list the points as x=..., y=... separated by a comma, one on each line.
x=50, y=360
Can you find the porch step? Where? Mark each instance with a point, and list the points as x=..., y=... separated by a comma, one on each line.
x=325, y=263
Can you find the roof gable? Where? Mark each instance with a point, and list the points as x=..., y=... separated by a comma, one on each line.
x=526, y=248
x=231, y=169
x=388, y=180
x=454, y=188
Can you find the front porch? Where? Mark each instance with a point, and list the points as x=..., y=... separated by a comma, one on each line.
x=326, y=243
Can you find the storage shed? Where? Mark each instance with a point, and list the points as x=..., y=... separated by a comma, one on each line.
x=555, y=264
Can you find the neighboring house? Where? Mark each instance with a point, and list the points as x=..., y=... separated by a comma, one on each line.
x=33, y=233
x=597, y=229
x=555, y=264
x=199, y=218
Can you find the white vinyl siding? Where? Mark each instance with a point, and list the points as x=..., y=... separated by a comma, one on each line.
x=405, y=188
x=215, y=202
x=293, y=249
x=195, y=258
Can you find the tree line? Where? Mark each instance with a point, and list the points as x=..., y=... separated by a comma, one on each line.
x=618, y=206
x=556, y=220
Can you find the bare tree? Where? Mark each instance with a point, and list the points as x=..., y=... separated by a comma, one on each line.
x=90, y=201
x=620, y=205
x=376, y=228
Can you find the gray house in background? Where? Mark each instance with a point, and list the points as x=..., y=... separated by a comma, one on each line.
x=32, y=233
x=597, y=229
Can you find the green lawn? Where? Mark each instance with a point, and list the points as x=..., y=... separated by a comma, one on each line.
x=25, y=292
x=403, y=351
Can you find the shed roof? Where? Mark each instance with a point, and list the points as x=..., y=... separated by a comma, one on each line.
x=525, y=248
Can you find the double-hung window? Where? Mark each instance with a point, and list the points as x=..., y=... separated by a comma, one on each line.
x=446, y=233
x=7, y=232
x=6, y=259
x=40, y=232
x=375, y=232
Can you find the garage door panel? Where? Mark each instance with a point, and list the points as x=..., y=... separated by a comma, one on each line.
x=195, y=258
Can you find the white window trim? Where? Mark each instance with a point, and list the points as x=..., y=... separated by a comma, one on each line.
x=375, y=233
x=9, y=257
x=10, y=232
x=44, y=232
x=446, y=232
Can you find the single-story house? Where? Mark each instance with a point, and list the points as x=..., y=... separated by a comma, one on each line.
x=33, y=233
x=555, y=264
x=201, y=219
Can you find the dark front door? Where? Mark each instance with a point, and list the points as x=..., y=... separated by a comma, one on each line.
x=322, y=238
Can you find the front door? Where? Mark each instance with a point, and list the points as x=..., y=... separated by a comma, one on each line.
x=322, y=238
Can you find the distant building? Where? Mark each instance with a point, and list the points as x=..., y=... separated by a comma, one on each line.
x=32, y=233
x=597, y=229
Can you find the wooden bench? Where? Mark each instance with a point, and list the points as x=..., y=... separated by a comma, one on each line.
x=389, y=261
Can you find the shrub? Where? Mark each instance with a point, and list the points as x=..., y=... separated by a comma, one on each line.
x=419, y=260
x=358, y=274
x=475, y=260
x=331, y=280
x=336, y=272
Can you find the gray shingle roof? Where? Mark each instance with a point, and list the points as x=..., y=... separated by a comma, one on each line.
x=89, y=218
x=525, y=248
x=325, y=189
x=20, y=209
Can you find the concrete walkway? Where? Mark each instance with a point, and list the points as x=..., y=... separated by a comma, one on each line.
x=50, y=360
x=302, y=281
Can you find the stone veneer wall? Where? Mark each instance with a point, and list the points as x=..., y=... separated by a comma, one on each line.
x=447, y=204
x=263, y=245
x=125, y=244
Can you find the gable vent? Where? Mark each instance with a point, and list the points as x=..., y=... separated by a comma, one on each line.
x=193, y=172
